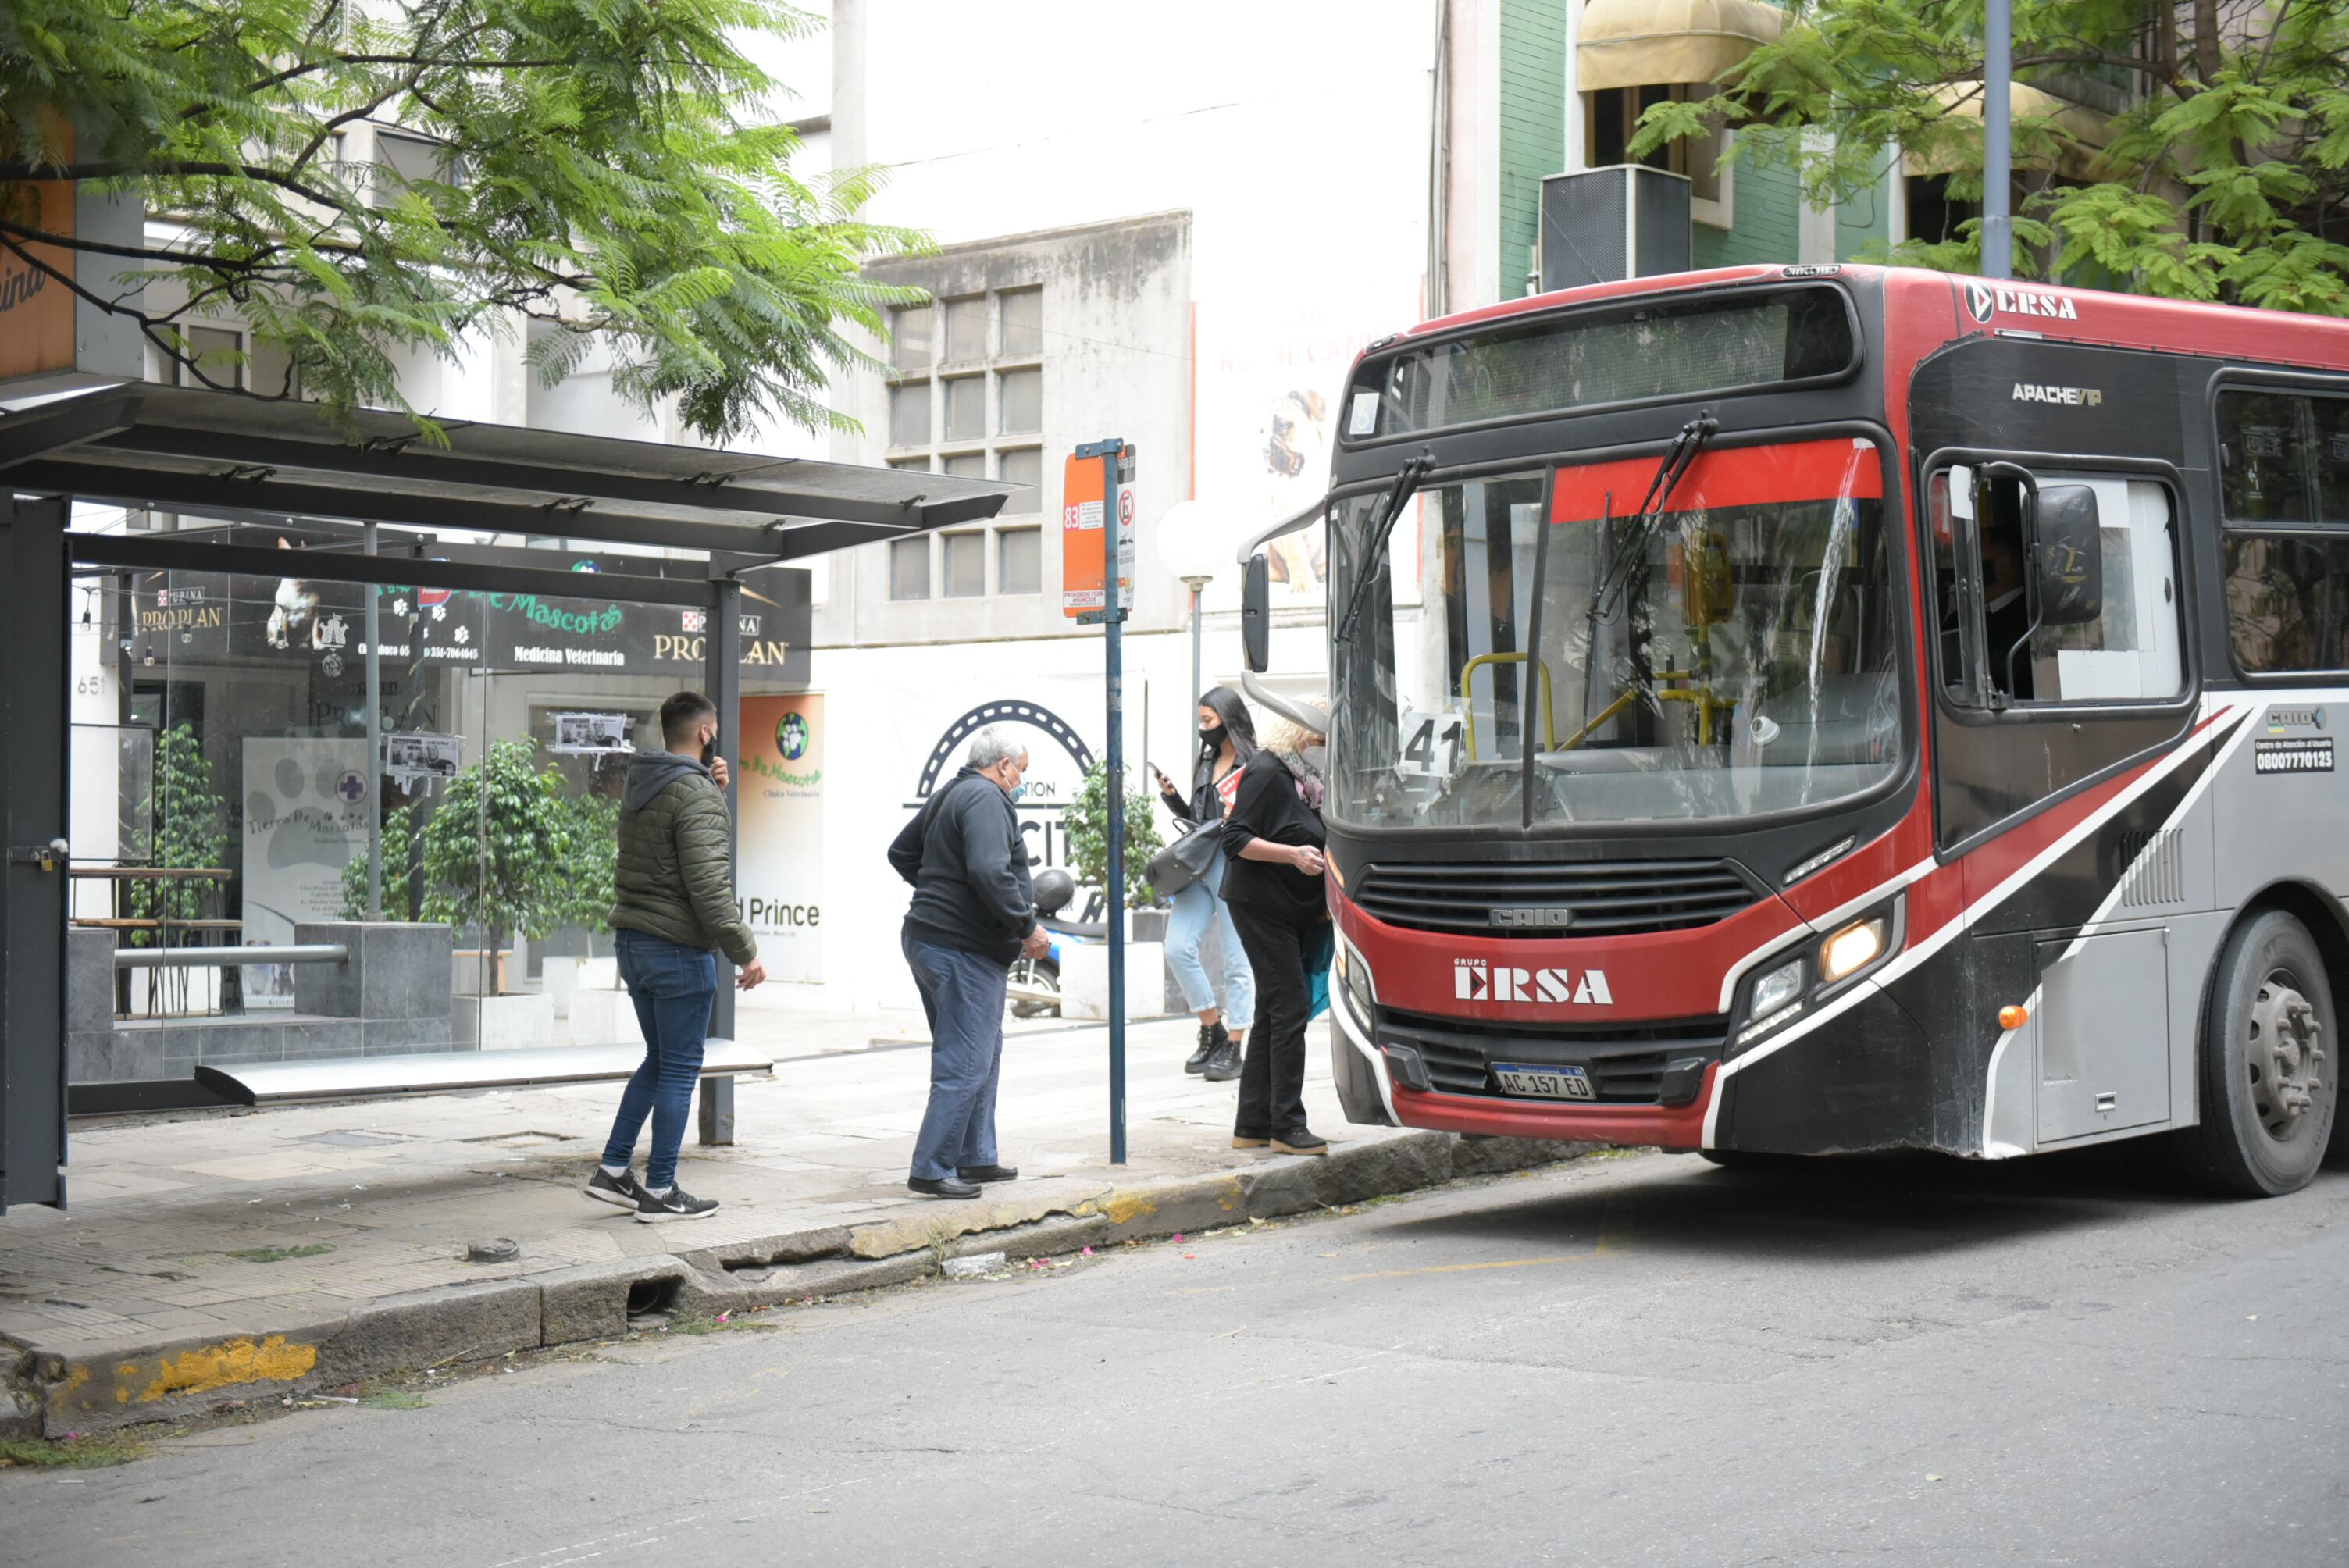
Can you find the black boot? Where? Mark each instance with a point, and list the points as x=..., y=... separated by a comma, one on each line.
x=1224, y=1064
x=1212, y=1038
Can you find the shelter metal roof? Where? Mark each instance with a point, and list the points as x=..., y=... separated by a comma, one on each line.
x=197, y=450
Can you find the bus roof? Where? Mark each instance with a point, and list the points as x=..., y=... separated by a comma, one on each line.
x=1973, y=306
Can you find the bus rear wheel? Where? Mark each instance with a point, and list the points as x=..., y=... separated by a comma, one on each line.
x=2270, y=1064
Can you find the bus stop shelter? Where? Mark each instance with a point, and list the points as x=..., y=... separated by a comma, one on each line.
x=712, y=519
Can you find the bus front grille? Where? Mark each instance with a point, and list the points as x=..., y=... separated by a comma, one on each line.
x=1507, y=899
x=1626, y=1061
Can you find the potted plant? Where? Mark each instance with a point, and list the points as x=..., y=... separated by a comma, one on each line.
x=191, y=831
x=1084, y=969
x=498, y=854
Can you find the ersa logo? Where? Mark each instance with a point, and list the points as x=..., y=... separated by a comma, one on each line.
x=1982, y=302
x=1474, y=980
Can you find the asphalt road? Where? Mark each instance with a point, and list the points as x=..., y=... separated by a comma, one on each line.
x=1640, y=1359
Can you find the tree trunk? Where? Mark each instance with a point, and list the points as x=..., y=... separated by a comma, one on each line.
x=2206, y=42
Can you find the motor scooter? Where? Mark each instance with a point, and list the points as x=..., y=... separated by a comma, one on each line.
x=1036, y=982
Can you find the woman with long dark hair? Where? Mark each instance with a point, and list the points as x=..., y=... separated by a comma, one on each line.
x=1226, y=741
x=1274, y=890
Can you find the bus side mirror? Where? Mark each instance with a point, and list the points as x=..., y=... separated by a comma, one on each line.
x=2067, y=554
x=1255, y=614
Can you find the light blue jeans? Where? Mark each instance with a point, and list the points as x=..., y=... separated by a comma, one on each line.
x=1194, y=909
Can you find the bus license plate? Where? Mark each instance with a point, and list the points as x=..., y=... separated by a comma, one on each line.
x=1543, y=1083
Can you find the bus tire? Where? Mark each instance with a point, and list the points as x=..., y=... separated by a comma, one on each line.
x=2269, y=1063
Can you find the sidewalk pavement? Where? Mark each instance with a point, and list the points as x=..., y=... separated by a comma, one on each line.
x=220, y=1256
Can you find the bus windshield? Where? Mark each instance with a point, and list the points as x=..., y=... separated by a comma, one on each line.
x=1732, y=654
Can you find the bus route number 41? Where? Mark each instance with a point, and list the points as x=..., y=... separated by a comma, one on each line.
x=1431, y=744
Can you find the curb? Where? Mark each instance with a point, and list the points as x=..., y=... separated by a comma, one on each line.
x=93, y=1388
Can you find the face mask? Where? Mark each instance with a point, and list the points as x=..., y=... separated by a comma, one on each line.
x=1016, y=794
x=1212, y=736
x=1317, y=758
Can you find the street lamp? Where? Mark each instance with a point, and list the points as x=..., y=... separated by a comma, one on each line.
x=1195, y=538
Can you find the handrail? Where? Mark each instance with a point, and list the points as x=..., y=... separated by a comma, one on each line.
x=1549, y=700
x=230, y=957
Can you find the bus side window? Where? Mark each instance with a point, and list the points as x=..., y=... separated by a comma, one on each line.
x=2131, y=652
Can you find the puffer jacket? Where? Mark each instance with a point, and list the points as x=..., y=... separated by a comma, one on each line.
x=676, y=877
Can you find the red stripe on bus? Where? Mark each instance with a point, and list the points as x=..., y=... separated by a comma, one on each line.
x=1743, y=476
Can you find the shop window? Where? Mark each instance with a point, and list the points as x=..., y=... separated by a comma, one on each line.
x=1019, y=402
x=1020, y=561
x=1023, y=323
x=968, y=465
x=909, y=338
x=909, y=568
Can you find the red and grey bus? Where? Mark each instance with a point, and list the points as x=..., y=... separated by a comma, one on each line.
x=1812, y=710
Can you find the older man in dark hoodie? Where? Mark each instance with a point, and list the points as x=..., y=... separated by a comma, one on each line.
x=676, y=885
x=973, y=912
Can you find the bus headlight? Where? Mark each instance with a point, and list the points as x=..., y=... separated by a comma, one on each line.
x=1775, y=989
x=1853, y=948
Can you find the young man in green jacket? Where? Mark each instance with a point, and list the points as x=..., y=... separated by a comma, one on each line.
x=675, y=910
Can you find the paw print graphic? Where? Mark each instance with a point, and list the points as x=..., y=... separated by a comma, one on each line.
x=440, y=612
x=464, y=635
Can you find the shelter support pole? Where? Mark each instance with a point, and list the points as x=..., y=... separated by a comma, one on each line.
x=374, y=742
x=721, y=643
x=1998, y=161
x=33, y=851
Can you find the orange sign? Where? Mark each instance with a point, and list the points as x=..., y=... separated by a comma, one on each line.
x=1082, y=550
x=36, y=310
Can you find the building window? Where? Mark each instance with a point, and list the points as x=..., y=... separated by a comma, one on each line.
x=960, y=345
x=965, y=575
x=909, y=415
x=1019, y=402
x=1020, y=561
x=1022, y=466
x=218, y=353
x=1023, y=323
x=909, y=568
x=909, y=338
x=966, y=409
x=1615, y=119
x=967, y=329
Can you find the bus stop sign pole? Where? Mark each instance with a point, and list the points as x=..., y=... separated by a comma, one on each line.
x=1114, y=457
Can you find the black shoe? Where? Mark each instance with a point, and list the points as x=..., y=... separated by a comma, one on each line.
x=1224, y=1064
x=979, y=1174
x=1211, y=1037
x=1303, y=1141
x=675, y=1204
x=622, y=1191
x=941, y=1187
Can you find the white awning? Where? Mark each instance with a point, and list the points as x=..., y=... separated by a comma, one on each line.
x=2079, y=133
x=1647, y=43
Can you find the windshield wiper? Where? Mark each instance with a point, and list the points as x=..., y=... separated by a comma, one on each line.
x=1414, y=469
x=1641, y=524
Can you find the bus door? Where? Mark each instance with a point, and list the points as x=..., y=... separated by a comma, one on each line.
x=2060, y=661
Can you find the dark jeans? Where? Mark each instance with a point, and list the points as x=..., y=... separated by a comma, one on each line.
x=1272, y=1073
x=963, y=995
x=674, y=987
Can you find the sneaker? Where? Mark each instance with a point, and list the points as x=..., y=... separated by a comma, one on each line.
x=622, y=1191
x=1211, y=1037
x=678, y=1204
x=1301, y=1142
x=1224, y=1064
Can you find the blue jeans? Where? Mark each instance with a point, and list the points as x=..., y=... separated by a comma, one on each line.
x=674, y=987
x=963, y=995
x=1194, y=910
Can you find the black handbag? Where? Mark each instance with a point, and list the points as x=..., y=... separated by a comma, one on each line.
x=1184, y=861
